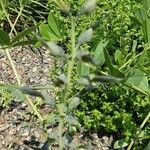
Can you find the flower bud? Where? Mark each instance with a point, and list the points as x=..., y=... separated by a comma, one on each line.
x=85, y=36
x=88, y=6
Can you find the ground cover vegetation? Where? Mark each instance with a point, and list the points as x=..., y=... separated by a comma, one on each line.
x=102, y=66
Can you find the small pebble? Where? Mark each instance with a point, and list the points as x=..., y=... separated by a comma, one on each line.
x=34, y=69
x=1, y=137
x=25, y=134
x=12, y=131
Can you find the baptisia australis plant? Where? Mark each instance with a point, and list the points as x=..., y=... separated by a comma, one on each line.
x=78, y=68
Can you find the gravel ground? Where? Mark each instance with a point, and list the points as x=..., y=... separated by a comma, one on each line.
x=29, y=66
x=19, y=128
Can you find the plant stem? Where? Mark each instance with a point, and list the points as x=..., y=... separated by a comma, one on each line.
x=142, y=125
x=129, y=61
x=13, y=67
x=73, y=55
x=60, y=128
x=69, y=74
x=34, y=108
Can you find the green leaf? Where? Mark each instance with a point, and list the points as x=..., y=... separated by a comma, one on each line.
x=54, y=135
x=25, y=42
x=52, y=118
x=84, y=81
x=47, y=33
x=19, y=95
x=62, y=109
x=85, y=36
x=53, y=24
x=120, y=144
x=138, y=79
x=118, y=57
x=23, y=34
x=55, y=49
x=142, y=57
x=30, y=91
x=99, y=53
x=148, y=29
x=38, y=44
x=72, y=120
x=144, y=135
x=114, y=71
x=48, y=99
x=82, y=69
x=4, y=38
x=146, y=4
x=74, y=102
x=108, y=59
x=139, y=16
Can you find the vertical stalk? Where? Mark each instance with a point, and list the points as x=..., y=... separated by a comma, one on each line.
x=73, y=55
x=69, y=74
x=34, y=108
x=13, y=67
x=60, y=128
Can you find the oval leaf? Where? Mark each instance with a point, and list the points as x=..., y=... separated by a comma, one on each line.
x=23, y=34
x=137, y=78
x=82, y=69
x=47, y=33
x=53, y=24
x=85, y=36
x=99, y=53
x=120, y=144
x=74, y=103
x=55, y=49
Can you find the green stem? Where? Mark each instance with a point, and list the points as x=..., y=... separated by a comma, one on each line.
x=69, y=75
x=34, y=108
x=13, y=67
x=60, y=128
x=73, y=55
x=129, y=61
